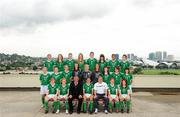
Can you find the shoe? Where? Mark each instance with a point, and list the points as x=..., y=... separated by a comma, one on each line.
x=57, y=111
x=70, y=112
x=127, y=110
x=110, y=110
x=42, y=106
x=117, y=110
x=122, y=111
x=46, y=111
x=78, y=112
x=53, y=111
x=66, y=111
x=106, y=112
x=96, y=111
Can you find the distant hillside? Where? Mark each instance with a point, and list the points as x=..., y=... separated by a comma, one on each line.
x=15, y=61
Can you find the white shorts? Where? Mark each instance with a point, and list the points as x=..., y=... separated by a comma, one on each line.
x=123, y=96
x=43, y=89
x=87, y=95
x=113, y=96
x=62, y=97
x=51, y=96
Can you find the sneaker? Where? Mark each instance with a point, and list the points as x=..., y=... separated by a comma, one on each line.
x=46, y=111
x=106, y=112
x=57, y=111
x=127, y=110
x=66, y=111
x=122, y=111
x=42, y=106
x=96, y=111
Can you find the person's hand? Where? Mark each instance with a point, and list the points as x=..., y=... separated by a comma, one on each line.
x=70, y=96
x=95, y=96
x=80, y=96
x=105, y=96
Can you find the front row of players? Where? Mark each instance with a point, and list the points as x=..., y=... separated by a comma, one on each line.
x=87, y=94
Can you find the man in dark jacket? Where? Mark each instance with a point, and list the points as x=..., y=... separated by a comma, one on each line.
x=75, y=92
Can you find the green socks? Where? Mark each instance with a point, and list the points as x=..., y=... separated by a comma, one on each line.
x=91, y=106
x=66, y=104
x=42, y=99
x=46, y=105
x=84, y=106
x=117, y=104
x=110, y=105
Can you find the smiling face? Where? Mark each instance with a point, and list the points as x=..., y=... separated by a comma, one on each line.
x=66, y=68
x=91, y=55
x=44, y=70
x=112, y=81
x=70, y=55
x=100, y=79
x=49, y=57
x=55, y=70
x=88, y=80
x=63, y=81
x=113, y=56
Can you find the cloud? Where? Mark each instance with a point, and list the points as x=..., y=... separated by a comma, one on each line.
x=30, y=13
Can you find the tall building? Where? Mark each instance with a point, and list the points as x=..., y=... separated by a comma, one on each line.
x=170, y=57
x=117, y=56
x=164, y=55
x=152, y=56
x=159, y=55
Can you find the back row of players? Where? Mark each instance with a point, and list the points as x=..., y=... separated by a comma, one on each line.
x=112, y=71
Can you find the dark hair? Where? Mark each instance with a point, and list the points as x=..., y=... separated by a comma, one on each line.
x=61, y=57
x=95, y=67
x=91, y=52
x=74, y=66
x=102, y=55
x=123, y=79
x=125, y=55
x=117, y=67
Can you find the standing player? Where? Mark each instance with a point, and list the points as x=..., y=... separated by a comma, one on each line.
x=113, y=63
x=44, y=79
x=51, y=94
x=91, y=62
x=81, y=61
x=129, y=78
x=56, y=75
x=49, y=64
x=102, y=62
x=96, y=74
x=117, y=76
x=124, y=63
x=60, y=63
x=63, y=94
x=113, y=95
x=106, y=76
x=88, y=95
x=70, y=62
x=124, y=95
x=86, y=73
x=67, y=74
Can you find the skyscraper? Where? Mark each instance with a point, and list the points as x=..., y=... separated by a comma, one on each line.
x=152, y=56
x=159, y=55
x=164, y=55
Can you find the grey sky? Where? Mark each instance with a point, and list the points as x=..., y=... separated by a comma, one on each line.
x=38, y=27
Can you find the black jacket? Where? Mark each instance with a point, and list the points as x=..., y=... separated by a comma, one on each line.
x=75, y=91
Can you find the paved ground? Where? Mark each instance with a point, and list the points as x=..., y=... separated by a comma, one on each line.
x=27, y=104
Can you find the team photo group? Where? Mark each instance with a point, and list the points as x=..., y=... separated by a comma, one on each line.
x=95, y=85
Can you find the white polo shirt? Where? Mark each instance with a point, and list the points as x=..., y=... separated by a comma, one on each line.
x=100, y=87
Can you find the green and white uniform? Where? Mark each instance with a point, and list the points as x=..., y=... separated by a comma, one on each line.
x=112, y=64
x=60, y=65
x=106, y=78
x=102, y=64
x=57, y=77
x=129, y=78
x=113, y=90
x=117, y=77
x=70, y=63
x=91, y=62
x=88, y=88
x=124, y=65
x=67, y=76
x=64, y=94
x=123, y=95
x=44, y=79
x=49, y=65
x=81, y=65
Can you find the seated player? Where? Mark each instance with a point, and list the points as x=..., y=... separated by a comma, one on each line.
x=88, y=95
x=44, y=79
x=67, y=74
x=113, y=95
x=51, y=95
x=124, y=95
x=63, y=94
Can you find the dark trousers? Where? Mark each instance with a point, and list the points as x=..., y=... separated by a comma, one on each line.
x=71, y=105
x=105, y=100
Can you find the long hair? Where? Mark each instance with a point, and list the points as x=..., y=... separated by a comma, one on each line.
x=61, y=57
x=123, y=79
x=80, y=54
x=102, y=55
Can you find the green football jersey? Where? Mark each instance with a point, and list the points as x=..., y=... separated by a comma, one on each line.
x=124, y=65
x=88, y=88
x=81, y=65
x=49, y=65
x=64, y=89
x=60, y=65
x=91, y=62
x=44, y=79
x=57, y=77
x=67, y=76
x=52, y=89
x=117, y=78
x=106, y=78
x=112, y=64
x=70, y=63
x=128, y=77
x=124, y=90
x=112, y=89
x=102, y=65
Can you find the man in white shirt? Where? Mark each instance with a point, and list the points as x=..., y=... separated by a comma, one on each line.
x=100, y=92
